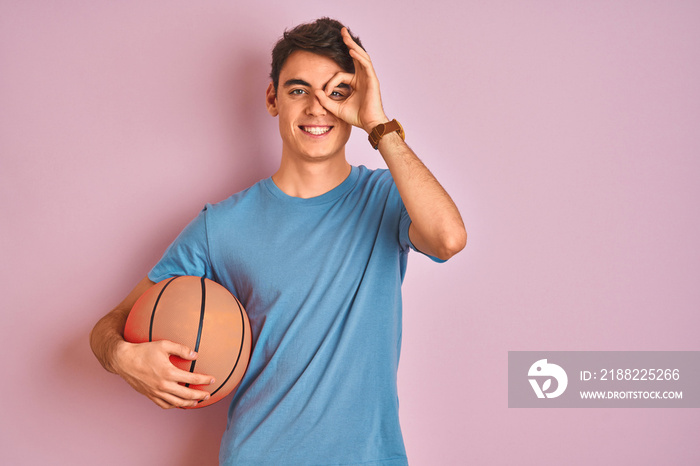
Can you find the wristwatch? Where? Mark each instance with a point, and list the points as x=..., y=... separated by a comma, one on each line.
x=385, y=128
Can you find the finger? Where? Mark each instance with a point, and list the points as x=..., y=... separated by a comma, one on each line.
x=327, y=103
x=357, y=53
x=161, y=403
x=362, y=60
x=177, y=395
x=193, y=378
x=168, y=401
x=181, y=393
x=351, y=44
x=177, y=349
x=175, y=375
x=339, y=78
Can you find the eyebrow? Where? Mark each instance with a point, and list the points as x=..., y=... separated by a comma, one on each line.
x=301, y=82
x=296, y=82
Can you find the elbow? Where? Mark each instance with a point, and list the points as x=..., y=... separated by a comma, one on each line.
x=452, y=243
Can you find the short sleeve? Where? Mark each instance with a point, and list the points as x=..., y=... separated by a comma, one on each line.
x=404, y=224
x=404, y=239
x=188, y=254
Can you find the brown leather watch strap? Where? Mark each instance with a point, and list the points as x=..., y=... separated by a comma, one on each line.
x=385, y=128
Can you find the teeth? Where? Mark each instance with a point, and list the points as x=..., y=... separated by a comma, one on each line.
x=316, y=130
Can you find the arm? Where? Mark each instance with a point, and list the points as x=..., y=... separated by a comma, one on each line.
x=146, y=366
x=436, y=225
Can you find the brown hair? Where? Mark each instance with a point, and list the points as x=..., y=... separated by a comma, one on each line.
x=321, y=37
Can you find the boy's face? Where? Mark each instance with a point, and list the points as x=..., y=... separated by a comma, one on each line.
x=308, y=130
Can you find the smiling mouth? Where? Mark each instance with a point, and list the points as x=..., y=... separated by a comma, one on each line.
x=316, y=130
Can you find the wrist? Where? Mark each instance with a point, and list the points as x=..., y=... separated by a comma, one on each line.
x=118, y=356
x=383, y=129
x=374, y=123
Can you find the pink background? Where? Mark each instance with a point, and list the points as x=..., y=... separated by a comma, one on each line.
x=567, y=133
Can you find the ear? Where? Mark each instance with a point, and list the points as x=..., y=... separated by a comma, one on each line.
x=271, y=100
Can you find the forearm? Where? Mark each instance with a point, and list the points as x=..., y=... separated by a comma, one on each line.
x=437, y=227
x=106, y=337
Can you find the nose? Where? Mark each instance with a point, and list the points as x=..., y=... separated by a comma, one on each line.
x=315, y=108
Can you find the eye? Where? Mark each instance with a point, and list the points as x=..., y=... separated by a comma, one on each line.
x=297, y=92
x=335, y=95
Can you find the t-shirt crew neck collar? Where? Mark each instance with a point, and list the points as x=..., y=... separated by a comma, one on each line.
x=329, y=196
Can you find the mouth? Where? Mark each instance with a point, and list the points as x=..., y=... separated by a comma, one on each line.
x=316, y=130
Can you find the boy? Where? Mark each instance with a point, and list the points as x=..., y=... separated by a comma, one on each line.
x=316, y=254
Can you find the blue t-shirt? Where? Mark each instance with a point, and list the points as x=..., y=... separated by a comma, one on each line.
x=320, y=279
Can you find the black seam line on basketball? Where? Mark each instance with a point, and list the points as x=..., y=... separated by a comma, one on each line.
x=201, y=323
x=153, y=313
x=240, y=349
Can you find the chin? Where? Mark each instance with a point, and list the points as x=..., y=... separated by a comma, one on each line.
x=320, y=156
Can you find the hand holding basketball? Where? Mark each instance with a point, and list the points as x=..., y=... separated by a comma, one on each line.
x=199, y=315
x=148, y=369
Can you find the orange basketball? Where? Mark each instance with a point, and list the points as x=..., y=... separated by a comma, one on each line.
x=202, y=315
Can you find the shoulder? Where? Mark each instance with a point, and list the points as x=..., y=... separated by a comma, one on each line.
x=375, y=179
x=240, y=200
x=375, y=189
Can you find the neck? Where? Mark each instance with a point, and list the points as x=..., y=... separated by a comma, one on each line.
x=306, y=180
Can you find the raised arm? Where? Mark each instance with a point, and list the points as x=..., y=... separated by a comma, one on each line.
x=436, y=228
x=146, y=366
x=436, y=225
